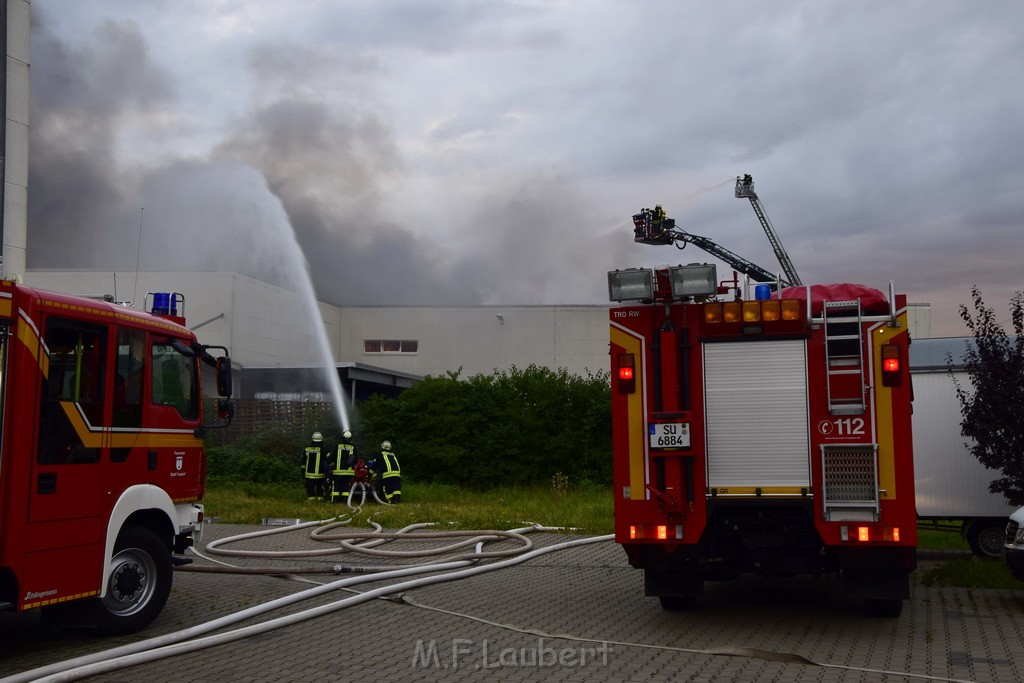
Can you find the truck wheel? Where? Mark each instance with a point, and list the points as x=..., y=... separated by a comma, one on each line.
x=138, y=583
x=887, y=607
x=986, y=537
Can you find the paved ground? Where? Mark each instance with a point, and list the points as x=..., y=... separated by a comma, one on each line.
x=515, y=624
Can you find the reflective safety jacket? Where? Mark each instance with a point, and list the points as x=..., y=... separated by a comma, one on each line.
x=314, y=467
x=387, y=465
x=345, y=459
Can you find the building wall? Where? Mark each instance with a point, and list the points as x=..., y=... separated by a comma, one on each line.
x=479, y=339
x=919, y=320
x=15, y=121
x=266, y=326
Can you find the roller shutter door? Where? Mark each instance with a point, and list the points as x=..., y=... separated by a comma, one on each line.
x=755, y=397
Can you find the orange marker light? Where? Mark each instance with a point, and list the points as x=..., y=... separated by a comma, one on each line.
x=791, y=309
x=662, y=532
x=863, y=533
x=732, y=312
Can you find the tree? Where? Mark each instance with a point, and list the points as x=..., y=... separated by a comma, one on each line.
x=993, y=406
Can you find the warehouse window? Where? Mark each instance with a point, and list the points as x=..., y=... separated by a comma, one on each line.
x=391, y=346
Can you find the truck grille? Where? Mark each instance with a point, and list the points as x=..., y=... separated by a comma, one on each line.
x=850, y=482
x=849, y=474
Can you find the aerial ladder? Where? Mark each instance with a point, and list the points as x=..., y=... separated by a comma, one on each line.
x=653, y=226
x=745, y=190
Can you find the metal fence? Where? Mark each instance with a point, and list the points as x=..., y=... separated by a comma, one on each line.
x=254, y=415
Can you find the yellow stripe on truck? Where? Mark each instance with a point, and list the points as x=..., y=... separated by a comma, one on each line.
x=883, y=334
x=632, y=343
x=98, y=437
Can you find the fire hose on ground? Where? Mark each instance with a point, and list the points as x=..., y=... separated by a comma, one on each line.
x=194, y=638
x=188, y=640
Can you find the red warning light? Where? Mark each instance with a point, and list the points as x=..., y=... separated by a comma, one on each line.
x=891, y=371
x=627, y=374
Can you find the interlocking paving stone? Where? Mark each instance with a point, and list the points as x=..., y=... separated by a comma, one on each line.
x=588, y=592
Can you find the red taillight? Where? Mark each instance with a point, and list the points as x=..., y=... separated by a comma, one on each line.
x=891, y=375
x=627, y=373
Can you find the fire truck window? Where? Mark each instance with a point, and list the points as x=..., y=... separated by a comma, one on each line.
x=174, y=380
x=72, y=397
x=131, y=363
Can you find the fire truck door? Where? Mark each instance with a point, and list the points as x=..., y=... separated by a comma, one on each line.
x=66, y=481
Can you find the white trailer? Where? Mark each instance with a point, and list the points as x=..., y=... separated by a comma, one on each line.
x=951, y=484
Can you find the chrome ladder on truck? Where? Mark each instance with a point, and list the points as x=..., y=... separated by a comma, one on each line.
x=844, y=357
x=849, y=471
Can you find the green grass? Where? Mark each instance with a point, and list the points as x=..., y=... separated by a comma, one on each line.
x=971, y=572
x=942, y=536
x=962, y=572
x=585, y=510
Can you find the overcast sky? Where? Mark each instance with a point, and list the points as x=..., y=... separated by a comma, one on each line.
x=493, y=151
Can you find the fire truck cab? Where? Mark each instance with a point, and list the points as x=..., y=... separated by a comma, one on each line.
x=102, y=467
x=765, y=434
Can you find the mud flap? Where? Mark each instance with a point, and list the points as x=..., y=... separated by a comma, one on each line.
x=663, y=583
x=876, y=584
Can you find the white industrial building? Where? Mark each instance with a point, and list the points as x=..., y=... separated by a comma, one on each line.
x=275, y=343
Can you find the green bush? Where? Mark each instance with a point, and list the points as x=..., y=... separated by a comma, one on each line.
x=517, y=427
x=514, y=428
x=264, y=458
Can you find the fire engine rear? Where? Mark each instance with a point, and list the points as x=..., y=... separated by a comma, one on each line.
x=766, y=434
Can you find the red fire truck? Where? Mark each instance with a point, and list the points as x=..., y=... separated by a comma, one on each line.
x=101, y=455
x=760, y=434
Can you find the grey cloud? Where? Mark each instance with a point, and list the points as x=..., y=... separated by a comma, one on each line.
x=883, y=138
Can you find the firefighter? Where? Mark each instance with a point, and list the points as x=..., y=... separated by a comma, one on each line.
x=313, y=468
x=342, y=468
x=389, y=474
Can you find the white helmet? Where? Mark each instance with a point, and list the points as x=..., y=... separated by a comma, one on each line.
x=346, y=434
x=317, y=437
x=385, y=445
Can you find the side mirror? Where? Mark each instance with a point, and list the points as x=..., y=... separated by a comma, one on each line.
x=225, y=410
x=223, y=371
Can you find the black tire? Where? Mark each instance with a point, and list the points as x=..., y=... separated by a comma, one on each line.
x=678, y=603
x=986, y=537
x=138, y=583
x=883, y=607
